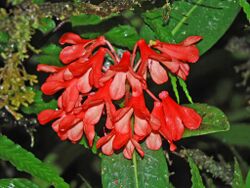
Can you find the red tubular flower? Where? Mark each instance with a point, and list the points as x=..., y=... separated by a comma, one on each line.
x=120, y=73
x=174, y=56
x=79, y=48
x=89, y=88
x=174, y=118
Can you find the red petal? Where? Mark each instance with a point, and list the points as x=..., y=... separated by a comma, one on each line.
x=76, y=132
x=68, y=122
x=190, y=40
x=80, y=66
x=48, y=68
x=123, y=125
x=135, y=84
x=107, y=148
x=90, y=133
x=138, y=147
x=93, y=114
x=129, y=150
x=157, y=72
x=120, y=140
x=71, y=53
x=124, y=63
x=153, y=141
x=190, y=118
x=96, y=73
x=117, y=88
x=50, y=88
x=69, y=97
x=141, y=127
x=183, y=53
x=72, y=38
x=47, y=115
x=103, y=140
x=83, y=84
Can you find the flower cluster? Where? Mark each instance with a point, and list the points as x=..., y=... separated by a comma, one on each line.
x=90, y=89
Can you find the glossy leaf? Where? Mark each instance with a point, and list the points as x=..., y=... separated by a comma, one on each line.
x=46, y=25
x=17, y=182
x=238, y=178
x=39, y=104
x=209, y=19
x=196, y=177
x=237, y=135
x=149, y=172
x=248, y=179
x=85, y=19
x=147, y=33
x=214, y=120
x=49, y=55
x=123, y=35
x=25, y=161
x=246, y=7
x=155, y=21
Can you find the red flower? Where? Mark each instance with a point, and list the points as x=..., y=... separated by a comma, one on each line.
x=120, y=73
x=89, y=88
x=174, y=118
x=174, y=56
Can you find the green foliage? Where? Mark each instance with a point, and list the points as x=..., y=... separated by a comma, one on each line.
x=209, y=19
x=248, y=179
x=39, y=104
x=237, y=135
x=147, y=33
x=213, y=120
x=238, y=178
x=123, y=35
x=173, y=80
x=46, y=25
x=49, y=55
x=27, y=162
x=85, y=144
x=196, y=177
x=4, y=37
x=85, y=19
x=19, y=183
x=149, y=172
x=246, y=7
x=155, y=21
x=184, y=88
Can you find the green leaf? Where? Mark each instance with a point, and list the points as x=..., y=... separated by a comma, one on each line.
x=196, y=177
x=213, y=120
x=173, y=80
x=246, y=7
x=149, y=172
x=39, y=104
x=248, y=179
x=17, y=182
x=147, y=33
x=155, y=21
x=238, y=178
x=25, y=161
x=38, y=2
x=123, y=35
x=85, y=144
x=209, y=19
x=4, y=37
x=49, y=55
x=184, y=88
x=85, y=19
x=237, y=135
x=46, y=25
